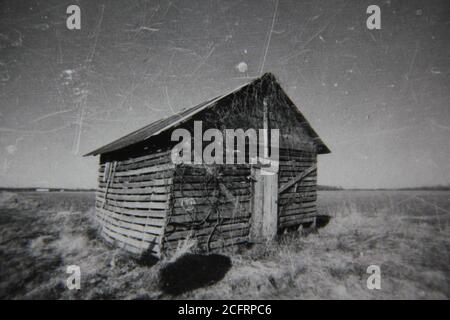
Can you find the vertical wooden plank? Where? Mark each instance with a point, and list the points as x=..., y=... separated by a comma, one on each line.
x=270, y=206
x=169, y=212
x=256, y=219
x=264, y=219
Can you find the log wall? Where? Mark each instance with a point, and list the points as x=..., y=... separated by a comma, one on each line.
x=297, y=204
x=149, y=204
x=210, y=204
x=132, y=200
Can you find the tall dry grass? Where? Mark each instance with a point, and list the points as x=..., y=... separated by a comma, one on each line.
x=365, y=230
x=406, y=234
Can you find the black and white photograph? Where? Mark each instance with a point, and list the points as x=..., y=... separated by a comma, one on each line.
x=225, y=150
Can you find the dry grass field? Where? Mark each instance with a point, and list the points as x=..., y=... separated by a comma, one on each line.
x=406, y=233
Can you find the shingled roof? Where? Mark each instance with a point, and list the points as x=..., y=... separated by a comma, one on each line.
x=164, y=124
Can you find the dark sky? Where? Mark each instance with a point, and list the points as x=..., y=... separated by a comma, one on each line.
x=378, y=98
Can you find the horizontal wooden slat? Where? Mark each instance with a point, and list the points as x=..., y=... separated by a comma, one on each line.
x=310, y=178
x=132, y=234
x=108, y=221
x=203, y=184
x=140, y=184
x=304, y=204
x=201, y=179
x=295, y=156
x=149, y=221
x=291, y=193
x=286, y=212
x=115, y=233
x=123, y=181
x=228, y=170
x=125, y=246
x=134, y=205
x=294, y=167
x=292, y=204
x=298, y=194
x=298, y=217
x=136, y=191
x=165, y=174
x=128, y=197
x=137, y=229
x=291, y=173
x=204, y=206
x=129, y=167
x=146, y=157
x=203, y=239
x=181, y=216
x=209, y=192
x=216, y=244
x=298, y=199
x=141, y=171
x=301, y=188
x=121, y=166
x=293, y=150
x=179, y=235
x=296, y=162
x=179, y=202
x=134, y=212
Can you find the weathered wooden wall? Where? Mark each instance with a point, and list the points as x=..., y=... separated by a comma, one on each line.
x=297, y=204
x=210, y=204
x=147, y=203
x=132, y=201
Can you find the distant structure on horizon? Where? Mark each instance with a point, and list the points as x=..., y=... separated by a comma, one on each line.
x=147, y=204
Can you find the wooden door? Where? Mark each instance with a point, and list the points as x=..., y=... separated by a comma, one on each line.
x=264, y=220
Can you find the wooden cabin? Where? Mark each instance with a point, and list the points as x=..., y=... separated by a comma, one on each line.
x=147, y=204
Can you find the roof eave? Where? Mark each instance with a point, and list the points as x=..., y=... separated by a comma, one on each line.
x=104, y=149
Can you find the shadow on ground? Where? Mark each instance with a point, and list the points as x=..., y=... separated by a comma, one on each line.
x=193, y=271
x=322, y=221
